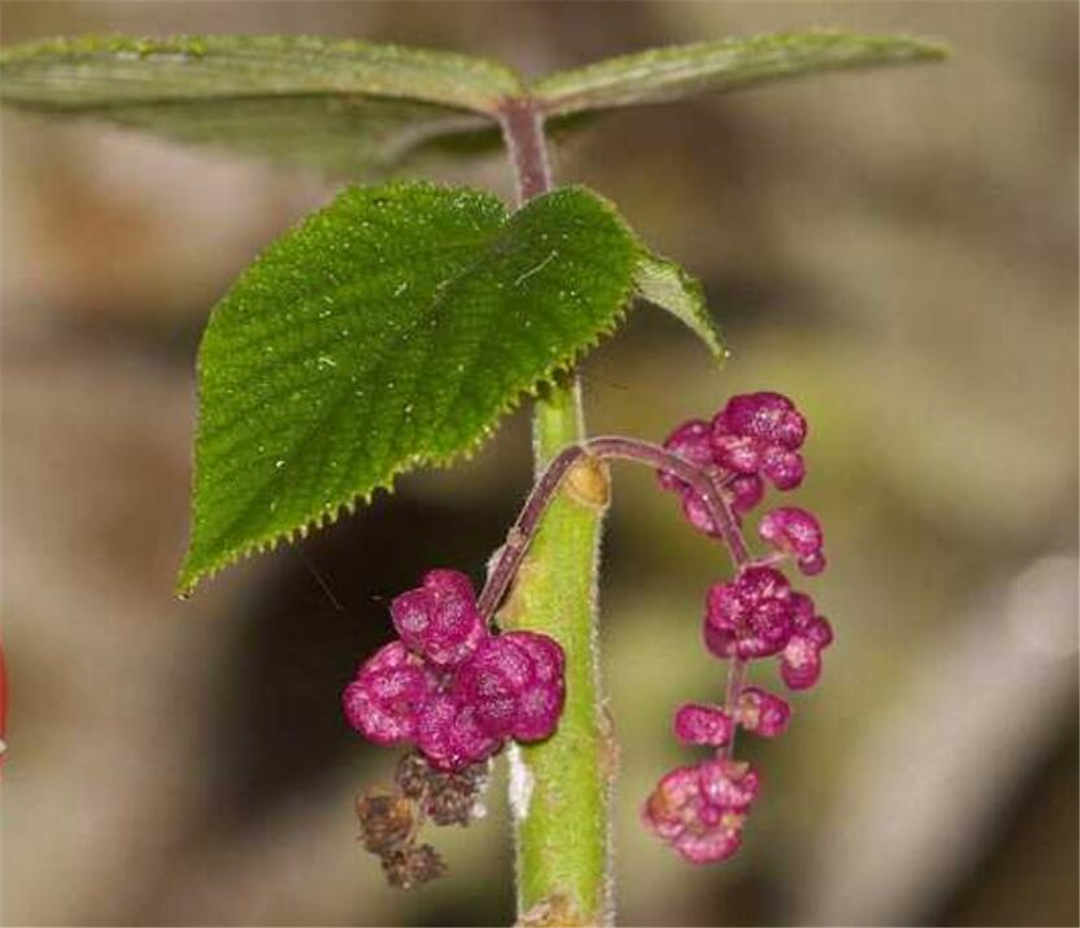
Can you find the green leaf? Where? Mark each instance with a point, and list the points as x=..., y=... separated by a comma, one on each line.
x=390, y=330
x=681, y=71
x=332, y=104
x=667, y=285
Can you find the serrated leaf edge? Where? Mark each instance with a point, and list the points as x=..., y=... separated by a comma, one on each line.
x=328, y=515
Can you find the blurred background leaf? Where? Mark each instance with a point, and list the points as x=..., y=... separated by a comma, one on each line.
x=681, y=71
x=336, y=105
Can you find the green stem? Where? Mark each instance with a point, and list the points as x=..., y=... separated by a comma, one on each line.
x=560, y=789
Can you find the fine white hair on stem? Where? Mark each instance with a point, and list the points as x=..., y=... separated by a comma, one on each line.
x=521, y=784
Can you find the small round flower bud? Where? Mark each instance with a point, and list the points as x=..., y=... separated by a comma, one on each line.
x=800, y=666
x=820, y=632
x=697, y=513
x=439, y=621
x=745, y=492
x=751, y=616
x=739, y=453
x=692, y=440
x=785, y=469
x=770, y=417
x=450, y=736
x=383, y=701
x=700, y=811
x=796, y=532
x=541, y=701
x=760, y=433
x=812, y=564
x=717, y=843
x=800, y=663
x=697, y=724
x=762, y=712
x=515, y=682
x=729, y=784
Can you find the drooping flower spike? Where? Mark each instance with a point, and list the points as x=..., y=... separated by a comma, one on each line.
x=753, y=441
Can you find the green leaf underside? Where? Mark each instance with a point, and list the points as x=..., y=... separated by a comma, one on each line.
x=328, y=104
x=665, y=284
x=389, y=331
x=681, y=71
x=356, y=137
x=358, y=108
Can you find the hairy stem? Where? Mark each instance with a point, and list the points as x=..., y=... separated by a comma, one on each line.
x=561, y=787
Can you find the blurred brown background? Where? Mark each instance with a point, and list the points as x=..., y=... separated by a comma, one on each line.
x=897, y=250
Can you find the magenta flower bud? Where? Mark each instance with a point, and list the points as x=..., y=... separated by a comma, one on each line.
x=802, y=611
x=546, y=654
x=718, y=843
x=800, y=665
x=769, y=417
x=812, y=564
x=674, y=804
x=697, y=724
x=739, y=453
x=516, y=684
x=384, y=700
x=450, y=736
x=820, y=632
x=796, y=532
x=800, y=662
x=762, y=712
x=541, y=702
x=692, y=441
x=729, y=784
x=700, y=811
x=439, y=621
x=760, y=433
x=744, y=492
x=697, y=513
x=751, y=616
x=785, y=469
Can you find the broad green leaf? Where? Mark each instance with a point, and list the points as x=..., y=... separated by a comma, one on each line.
x=667, y=285
x=388, y=331
x=681, y=71
x=332, y=104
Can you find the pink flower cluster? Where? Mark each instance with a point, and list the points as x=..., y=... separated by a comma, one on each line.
x=758, y=615
x=700, y=810
x=449, y=686
x=755, y=439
